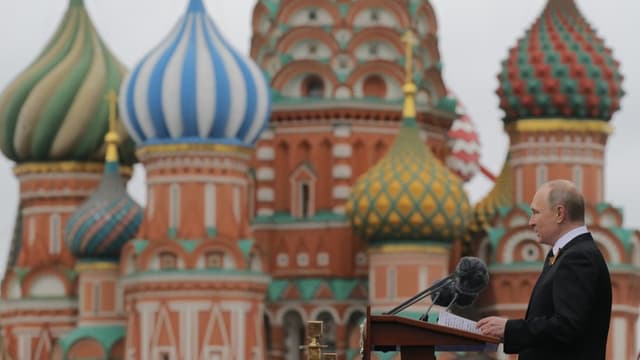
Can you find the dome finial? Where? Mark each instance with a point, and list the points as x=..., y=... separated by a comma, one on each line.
x=409, y=88
x=112, y=139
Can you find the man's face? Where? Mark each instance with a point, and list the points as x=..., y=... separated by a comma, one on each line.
x=544, y=218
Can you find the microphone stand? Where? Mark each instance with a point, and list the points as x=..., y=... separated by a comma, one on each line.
x=421, y=295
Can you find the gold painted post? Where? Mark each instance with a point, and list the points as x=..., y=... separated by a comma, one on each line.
x=330, y=356
x=314, y=332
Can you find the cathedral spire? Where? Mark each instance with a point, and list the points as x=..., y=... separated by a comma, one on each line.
x=409, y=88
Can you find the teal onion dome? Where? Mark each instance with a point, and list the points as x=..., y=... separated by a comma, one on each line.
x=54, y=109
x=101, y=226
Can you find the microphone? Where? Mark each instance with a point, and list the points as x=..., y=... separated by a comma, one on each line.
x=469, y=279
x=471, y=276
x=461, y=287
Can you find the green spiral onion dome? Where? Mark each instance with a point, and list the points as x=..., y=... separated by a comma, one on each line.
x=409, y=195
x=55, y=109
x=560, y=69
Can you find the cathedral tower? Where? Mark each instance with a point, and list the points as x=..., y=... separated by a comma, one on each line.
x=53, y=118
x=409, y=208
x=336, y=70
x=559, y=88
x=192, y=280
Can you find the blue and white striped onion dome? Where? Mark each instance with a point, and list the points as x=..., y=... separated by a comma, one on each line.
x=195, y=88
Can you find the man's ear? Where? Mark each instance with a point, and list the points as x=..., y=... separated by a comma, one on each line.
x=561, y=212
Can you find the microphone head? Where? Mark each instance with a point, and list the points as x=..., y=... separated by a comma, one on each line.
x=448, y=293
x=444, y=296
x=465, y=300
x=472, y=275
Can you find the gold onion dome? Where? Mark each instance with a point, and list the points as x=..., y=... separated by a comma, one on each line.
x=409, y=195
x=499, y=196
x=54, y=110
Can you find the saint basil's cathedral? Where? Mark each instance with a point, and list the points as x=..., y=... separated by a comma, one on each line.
x=323, y=174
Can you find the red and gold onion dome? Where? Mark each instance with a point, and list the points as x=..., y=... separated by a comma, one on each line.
x=560, y=69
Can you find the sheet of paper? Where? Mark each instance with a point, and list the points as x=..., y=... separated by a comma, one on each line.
x=457, y=322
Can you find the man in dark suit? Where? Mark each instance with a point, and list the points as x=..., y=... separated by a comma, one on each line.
x=570, y=305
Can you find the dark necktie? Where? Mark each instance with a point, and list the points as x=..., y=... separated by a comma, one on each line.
x=552, y=258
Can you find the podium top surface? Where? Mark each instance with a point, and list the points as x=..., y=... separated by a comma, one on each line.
x=401, y=331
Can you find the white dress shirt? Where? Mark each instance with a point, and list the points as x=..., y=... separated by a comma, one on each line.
x=567, y=237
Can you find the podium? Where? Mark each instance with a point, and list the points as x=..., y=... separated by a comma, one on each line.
x=417, y=340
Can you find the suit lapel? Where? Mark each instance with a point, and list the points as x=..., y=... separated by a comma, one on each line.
x=545, y=269
x=547, y=266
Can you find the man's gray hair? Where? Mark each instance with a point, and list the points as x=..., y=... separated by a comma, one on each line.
x=565, y=193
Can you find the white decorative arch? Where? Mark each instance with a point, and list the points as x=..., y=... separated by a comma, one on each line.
x=309, y=49
x=352, y=310
x=382, y=17
x=47, y=285
x=483, y=253
x=269, y=314
x=394, y=89
x=518, y=220
x=330, y=310
x=609, y=244
x=296, y=308
x=635, y=250
x=14, y=289
x=376, y=49
x=513, y=241
x=302, y=17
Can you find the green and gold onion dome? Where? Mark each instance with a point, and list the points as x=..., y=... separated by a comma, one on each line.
x=409, y=195
x=54, y=110
x=101, y=226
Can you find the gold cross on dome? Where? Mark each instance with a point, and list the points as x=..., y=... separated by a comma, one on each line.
x=409, y=40
x=112, y=100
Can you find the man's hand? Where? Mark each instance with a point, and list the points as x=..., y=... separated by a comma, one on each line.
x=492, y=326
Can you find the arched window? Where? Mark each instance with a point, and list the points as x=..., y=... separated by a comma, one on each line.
x=374, y=86
x=303, y=181
x=519, y=185
x=313, y=87
x=210, y=207
x=151, y=202
x=174, y=208
x=294, y=335
x=54, y=233
x=304, y=199
x=267, y=334
x=168, y=261
x=353, y=330
x=391, y=283
x=577, y=177
x=214, y=260
x=251, y=197
x=328, y=330
x=541, y=175
x=255, y=262
x=96, y=298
